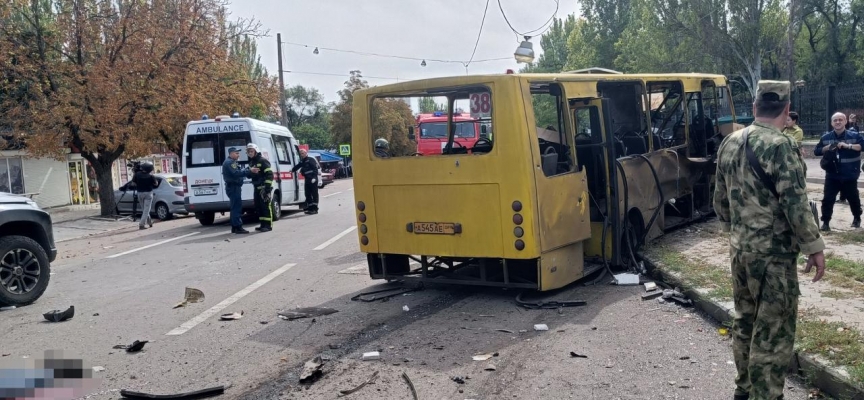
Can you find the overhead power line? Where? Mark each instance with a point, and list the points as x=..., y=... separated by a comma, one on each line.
x=480, y=32
x=363, y=53
x=343, y=75
x=535, y=32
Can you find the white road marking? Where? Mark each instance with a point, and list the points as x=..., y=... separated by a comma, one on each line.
x=331, y=194
x=335, y=238
x=227, y=302
x=152, y=245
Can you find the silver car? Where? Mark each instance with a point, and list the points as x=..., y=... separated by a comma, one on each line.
x=167, y=198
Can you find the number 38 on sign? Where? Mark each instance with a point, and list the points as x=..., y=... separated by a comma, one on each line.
x=481, y=105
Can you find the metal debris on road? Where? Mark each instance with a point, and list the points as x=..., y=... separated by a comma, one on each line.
x=366, y=382
x=98, y=369
x=652, y=295
x=198, y=394
x=135, y=347
x=482, y=357
x=371, y=356
x=193, y=295
x=540, y=304
x=459, y=379
x=504, y=330
x=489, y=367
x=306, y=312
x=59, y=316
x=405, y=308
x=541, y=327
x=312, y=370
x=650, y=286
x=9, y=308
x=398, y=290
x=410, y=385
x=231, y=316
x=575, y=355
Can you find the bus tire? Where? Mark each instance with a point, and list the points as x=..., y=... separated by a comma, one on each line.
x=206, y=218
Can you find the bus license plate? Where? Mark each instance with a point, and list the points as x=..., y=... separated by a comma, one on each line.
x=205, y=192
x=438, y=228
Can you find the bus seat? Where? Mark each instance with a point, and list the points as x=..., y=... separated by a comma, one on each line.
x=635, y=144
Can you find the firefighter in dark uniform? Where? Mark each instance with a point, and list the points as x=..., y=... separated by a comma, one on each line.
x=308, y=167
x=262, y=186
x=382, y=148
x=233, y=175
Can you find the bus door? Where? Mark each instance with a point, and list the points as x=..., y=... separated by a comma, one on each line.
x=285, y=179
x=593, y=154
x=562, y=196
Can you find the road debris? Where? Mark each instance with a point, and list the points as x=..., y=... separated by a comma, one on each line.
x=306, y=312
x=541, y=327
x=9, y=308
x=723, y=331
x=312, y=370
x=459, y=379
x=482, y=357
x=504, y=330
x=366, y=382
x=334, y=346
x=575, y=355
x=59, y=316
x=552, y=304
x=650, y=286
x=231, y=316
x=410, y=385
x=405, y=308
x=652, y=295
x=364, y=297
x=489, y=367
x=135, y=347
x=198, y=394
x=191, y=295
x=371, y=356
x=626, y=279
x=98, y=369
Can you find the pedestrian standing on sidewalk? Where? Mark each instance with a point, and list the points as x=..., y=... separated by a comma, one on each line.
x=308, y=167
x=852, y=125
x=145, y=183
x=843, y=175
x=233, y=175
x=761, y=200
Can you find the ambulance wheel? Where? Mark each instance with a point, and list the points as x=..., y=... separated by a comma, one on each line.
x=277, y=207
x=206, y=218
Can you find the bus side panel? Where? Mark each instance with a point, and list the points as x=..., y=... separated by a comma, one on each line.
x=562, y=266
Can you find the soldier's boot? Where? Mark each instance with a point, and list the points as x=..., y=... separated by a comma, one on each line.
x=825, y=227
x=856, y=223
x=741, y=397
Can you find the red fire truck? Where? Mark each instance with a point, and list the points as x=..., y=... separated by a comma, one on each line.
x=431, y=132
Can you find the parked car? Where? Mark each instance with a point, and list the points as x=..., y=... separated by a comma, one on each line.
x=324, y=179
x=26, y=250
x=167, y=198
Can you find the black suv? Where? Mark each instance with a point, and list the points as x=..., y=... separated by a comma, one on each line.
x=26, y=250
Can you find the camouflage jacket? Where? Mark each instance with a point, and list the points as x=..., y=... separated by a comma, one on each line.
x=756, y=220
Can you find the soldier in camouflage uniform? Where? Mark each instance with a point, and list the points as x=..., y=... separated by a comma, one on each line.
x=766, y=234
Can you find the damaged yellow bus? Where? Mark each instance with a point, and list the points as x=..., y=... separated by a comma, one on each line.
x=571, y=172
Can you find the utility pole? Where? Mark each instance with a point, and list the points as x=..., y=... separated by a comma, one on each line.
x=283, y=113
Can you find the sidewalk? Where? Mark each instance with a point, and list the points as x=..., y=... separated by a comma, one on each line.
x=829, y=347
x=75, y=222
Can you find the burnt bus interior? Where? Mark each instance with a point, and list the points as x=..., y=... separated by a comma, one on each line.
x=654, y=139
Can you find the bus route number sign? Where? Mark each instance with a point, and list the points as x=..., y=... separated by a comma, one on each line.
x=481, y=105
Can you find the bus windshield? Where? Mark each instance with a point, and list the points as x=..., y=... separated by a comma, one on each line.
x=439, y=130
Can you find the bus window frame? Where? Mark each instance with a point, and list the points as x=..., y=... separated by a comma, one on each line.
x=682, y=104
x=566, y=133
x=447, y=92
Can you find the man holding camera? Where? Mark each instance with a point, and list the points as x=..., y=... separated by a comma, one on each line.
x=233, y=176
x=841, y=159
x=145, y=182
x=262, y=182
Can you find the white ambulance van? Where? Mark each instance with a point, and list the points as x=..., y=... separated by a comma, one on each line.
x=205, y=148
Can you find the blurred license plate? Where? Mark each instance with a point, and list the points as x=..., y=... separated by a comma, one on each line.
x=205, y=191
x=439, y=228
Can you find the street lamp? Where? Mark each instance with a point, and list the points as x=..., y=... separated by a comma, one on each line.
x=423, y=63
x=315, y=51
x=525, y=52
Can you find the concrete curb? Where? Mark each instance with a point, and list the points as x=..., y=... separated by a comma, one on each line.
x=820, y=374
x=96, y=233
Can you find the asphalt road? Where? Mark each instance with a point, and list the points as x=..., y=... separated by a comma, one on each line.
x=124, y=286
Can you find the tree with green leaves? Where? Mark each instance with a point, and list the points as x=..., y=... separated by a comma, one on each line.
x=308, y=116
x=340, y=118
x=428, y=105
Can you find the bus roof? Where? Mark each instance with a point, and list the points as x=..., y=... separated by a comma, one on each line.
x=692, y=81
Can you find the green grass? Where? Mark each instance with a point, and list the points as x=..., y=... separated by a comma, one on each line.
x=850, y=237
x=844, y=273
x=836, y=294
x=844, y=348
x=699, y=274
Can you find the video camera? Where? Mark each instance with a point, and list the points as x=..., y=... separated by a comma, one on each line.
x=135, y=165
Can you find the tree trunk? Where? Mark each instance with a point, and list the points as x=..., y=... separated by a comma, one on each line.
x=107, y=203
